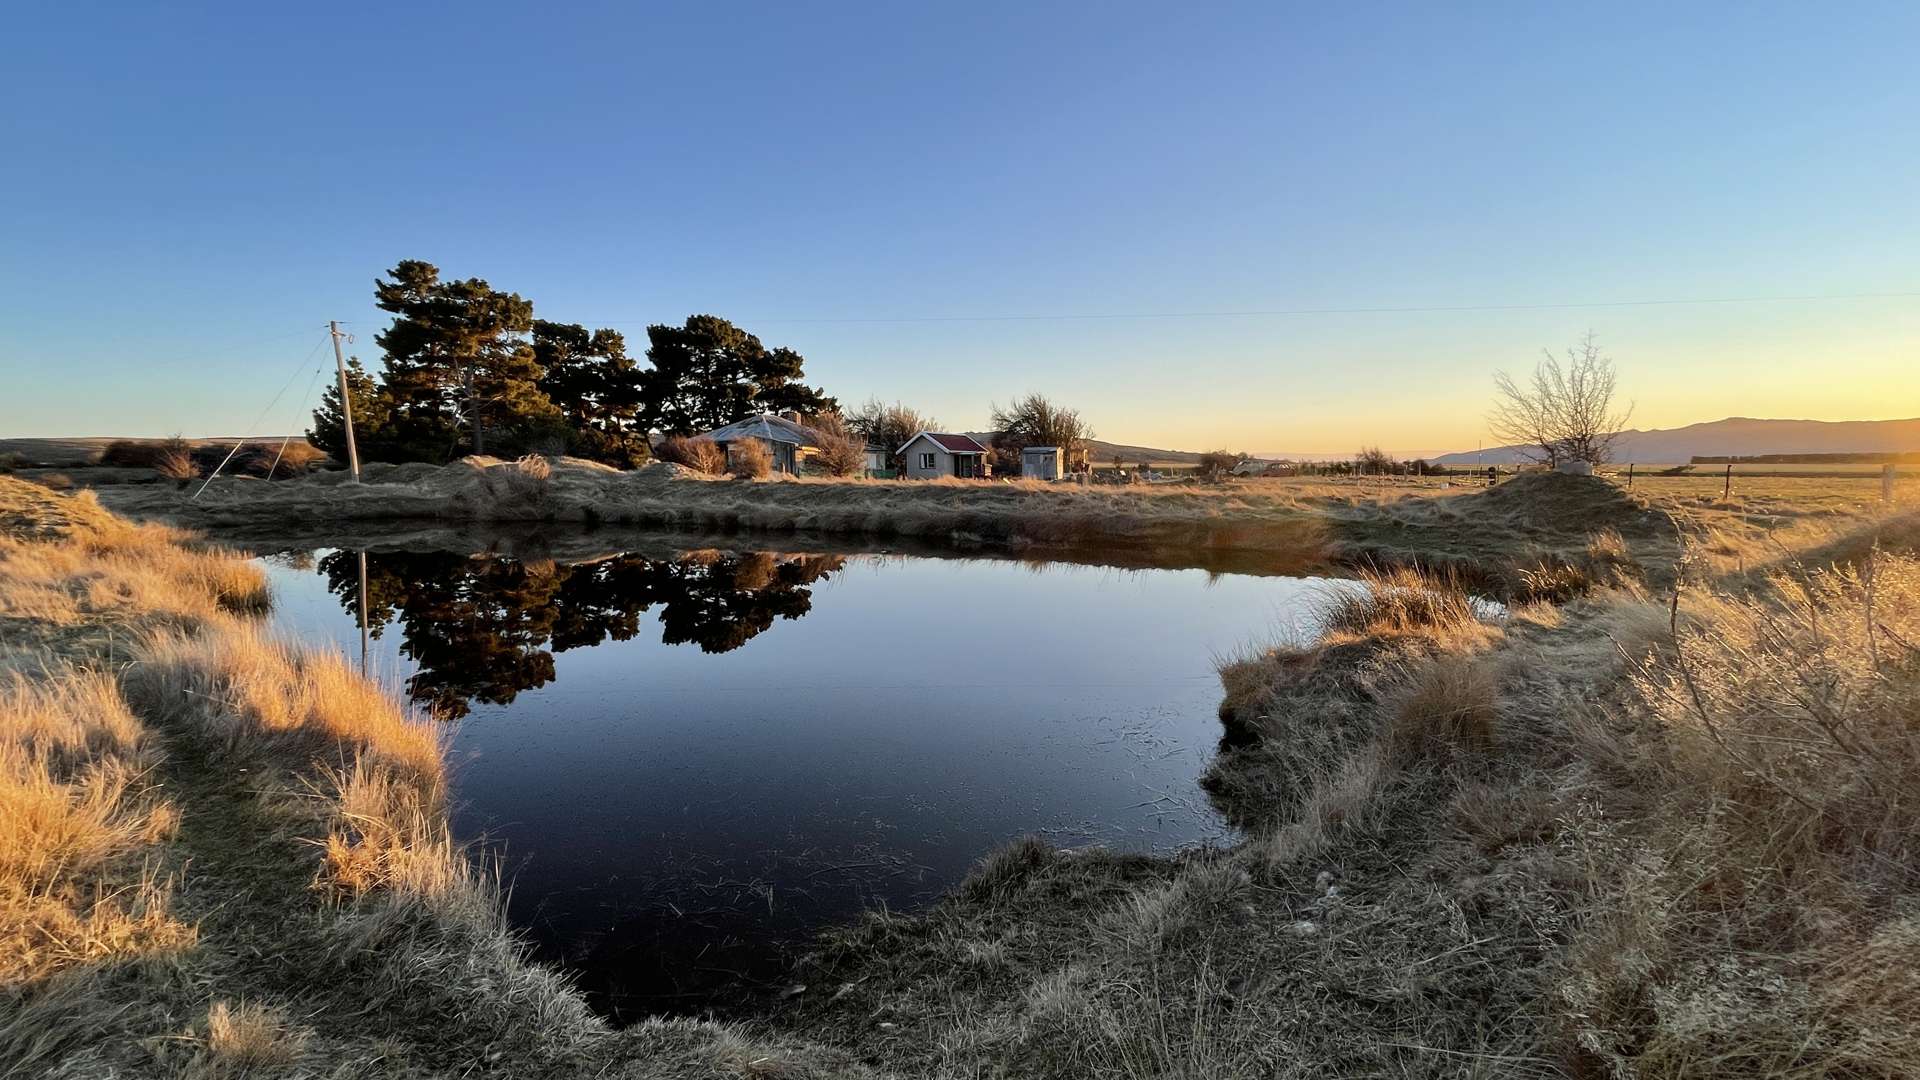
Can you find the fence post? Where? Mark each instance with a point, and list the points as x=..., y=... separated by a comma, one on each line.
x=1726, y=492
x=1629, y=476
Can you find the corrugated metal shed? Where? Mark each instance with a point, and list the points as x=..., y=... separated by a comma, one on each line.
x=764, y=426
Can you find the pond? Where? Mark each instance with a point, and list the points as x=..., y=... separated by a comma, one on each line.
x=689, y=760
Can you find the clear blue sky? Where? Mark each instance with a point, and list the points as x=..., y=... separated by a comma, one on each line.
x=190, y=191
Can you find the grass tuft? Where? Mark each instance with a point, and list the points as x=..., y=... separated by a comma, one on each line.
x=1447, y=712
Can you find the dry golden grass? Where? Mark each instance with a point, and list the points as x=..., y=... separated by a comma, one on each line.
x=1757, y=895
x=77, y=820
x=1405, y=603
x=151, y=736
x=262, y=696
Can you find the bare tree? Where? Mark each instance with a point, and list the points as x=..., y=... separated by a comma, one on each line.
x=1035, y=420
x=888, y=426
x=1373, y=461
x=1565, y=412
x=841, y=451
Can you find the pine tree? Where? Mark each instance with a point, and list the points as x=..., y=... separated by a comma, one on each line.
x=458, y=366
x=371, y=409
x=596, y=387
x=710, y=372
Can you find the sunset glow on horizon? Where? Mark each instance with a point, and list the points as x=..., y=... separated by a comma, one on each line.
x=1256, y=228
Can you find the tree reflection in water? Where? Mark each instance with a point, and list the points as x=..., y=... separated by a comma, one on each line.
x=484, y=629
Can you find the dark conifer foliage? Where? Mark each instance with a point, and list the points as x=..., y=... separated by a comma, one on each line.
x=467, y=369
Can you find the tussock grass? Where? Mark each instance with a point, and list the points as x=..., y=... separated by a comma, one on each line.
x=1404, y=603
x=76, y=816
x=1757, y=893
x=244, y=1039
x=1449, y=709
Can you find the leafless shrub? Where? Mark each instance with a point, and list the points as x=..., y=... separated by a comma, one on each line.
x=700, y=455
x=1217, y=463
x=1036, y=420
x=841, y=452
x=888, y=426
x=1566, y=412
x=749, y=459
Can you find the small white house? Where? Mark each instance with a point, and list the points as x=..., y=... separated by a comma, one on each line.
x=1040, y=462
x=877, y=460
x=932, y=454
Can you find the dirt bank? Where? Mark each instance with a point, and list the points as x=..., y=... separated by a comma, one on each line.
x=1512, y=540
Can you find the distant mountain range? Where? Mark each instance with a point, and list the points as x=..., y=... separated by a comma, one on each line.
x=1738, y=436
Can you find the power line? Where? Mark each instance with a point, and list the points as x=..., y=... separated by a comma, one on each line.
x=253, y=428
x=1383, y=310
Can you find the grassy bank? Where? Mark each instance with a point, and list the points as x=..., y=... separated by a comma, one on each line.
x=1657, y=820
x=1657, y=830
x=223, y=855
x=1512, y=540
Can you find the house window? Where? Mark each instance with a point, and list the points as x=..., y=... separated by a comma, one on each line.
x=926, y=461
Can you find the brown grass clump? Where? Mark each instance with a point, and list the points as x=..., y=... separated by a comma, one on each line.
x=245, y=1040
x=1449, y=710
x=1757, y=907
x=1404, y=603
x=700, y=455
x=176, y=462
x=275, y=462
x=749, y=459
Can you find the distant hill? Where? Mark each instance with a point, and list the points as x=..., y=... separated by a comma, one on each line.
x=1102, y=452
x=1738, y=436
x=86, y=450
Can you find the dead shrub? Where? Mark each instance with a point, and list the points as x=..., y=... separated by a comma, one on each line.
x=841, y=452
x=298, y=458
x=749, y=459
x=840, y=456
x=130, y=454
x=175, y=462
x=700, y=455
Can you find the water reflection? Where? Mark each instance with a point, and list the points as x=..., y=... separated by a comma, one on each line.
x=484, y=629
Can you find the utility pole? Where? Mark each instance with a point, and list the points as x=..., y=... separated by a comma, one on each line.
x=346, y=400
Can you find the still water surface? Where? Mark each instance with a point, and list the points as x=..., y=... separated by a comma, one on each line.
x=688, y=764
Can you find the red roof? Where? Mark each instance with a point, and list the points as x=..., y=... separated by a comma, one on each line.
x=957, y=443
